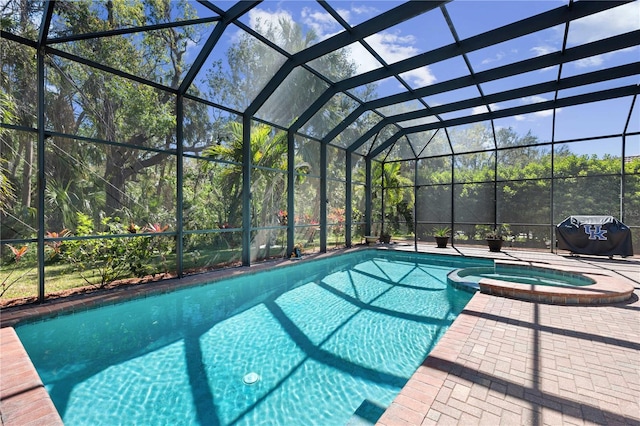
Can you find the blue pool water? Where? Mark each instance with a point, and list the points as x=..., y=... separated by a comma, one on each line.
x=301, y=345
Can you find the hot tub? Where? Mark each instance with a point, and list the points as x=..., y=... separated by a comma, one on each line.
x=540, y=284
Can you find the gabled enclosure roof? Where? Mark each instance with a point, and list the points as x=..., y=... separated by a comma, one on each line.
x=416, y=68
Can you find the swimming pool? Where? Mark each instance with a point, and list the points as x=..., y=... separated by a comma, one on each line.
x=312, y=343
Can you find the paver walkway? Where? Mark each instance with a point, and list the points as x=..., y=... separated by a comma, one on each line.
x=511, y=362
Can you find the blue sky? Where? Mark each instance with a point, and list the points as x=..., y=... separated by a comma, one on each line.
x=430, y=31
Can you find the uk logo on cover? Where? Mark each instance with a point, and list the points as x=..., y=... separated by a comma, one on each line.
x=595, y=232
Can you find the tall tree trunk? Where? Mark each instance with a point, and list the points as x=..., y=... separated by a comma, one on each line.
x=27, y=171
x=114, y=179
x=115, y=159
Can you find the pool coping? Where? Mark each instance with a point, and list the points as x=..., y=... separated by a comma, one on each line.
x=23, y=397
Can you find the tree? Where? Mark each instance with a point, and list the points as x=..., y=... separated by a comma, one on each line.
x=97, y=104
x=249, y=66
x=389, y=182
x=268, y=150
x=7, y=189
x=18, y=81
x=251, y=63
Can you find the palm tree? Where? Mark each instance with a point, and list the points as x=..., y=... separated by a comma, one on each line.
x=268, y=176
x=398, y=193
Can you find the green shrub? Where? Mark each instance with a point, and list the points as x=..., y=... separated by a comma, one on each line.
x=110, y=256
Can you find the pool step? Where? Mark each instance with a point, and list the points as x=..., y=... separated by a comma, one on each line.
x=367, y=414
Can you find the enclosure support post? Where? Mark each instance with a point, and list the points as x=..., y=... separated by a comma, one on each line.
x=415, y=200
x=246, y=190
x=347, y=201
x=40, y=148
x=552, y=235
x=367, y=192
x=382, y=197
x=291, y=179
x=624, y=153
x=495, y=184
x=41, y=175
x=324, y=201
x=453, y=240
x=622, y=178
x=179, y=182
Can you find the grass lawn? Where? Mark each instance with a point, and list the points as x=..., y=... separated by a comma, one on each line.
x=21, y=279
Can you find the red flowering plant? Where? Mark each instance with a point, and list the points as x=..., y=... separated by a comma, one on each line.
x=18, y=252
x=336, y=216
x=7, y=282
x=283, y=217
x=54, y=246
x=155, y=228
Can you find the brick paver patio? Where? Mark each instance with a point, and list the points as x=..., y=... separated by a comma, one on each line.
x=511, y=362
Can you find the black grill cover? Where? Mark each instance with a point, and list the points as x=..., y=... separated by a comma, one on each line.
x=601, y=235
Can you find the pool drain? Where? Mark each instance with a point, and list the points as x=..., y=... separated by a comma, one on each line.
x=250, y=378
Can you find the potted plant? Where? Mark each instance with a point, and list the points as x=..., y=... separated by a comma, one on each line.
x=442, y=236
x=297, y=251
x=385, y=237
x=495, y=239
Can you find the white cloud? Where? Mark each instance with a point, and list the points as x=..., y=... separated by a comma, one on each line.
x=391, y=46
x=364, y=10
x=534, y=115
x=266, y=19
x=357, y=14
x=592, y=61
x=262, y=20
x=499, y=56
x=617, y=20
x=543, y=50
x=533, y=99
x=346, y=14
x=483, y=109
x=394, y=47
x=363, y=60
x=322, y=23
x=420, y=76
